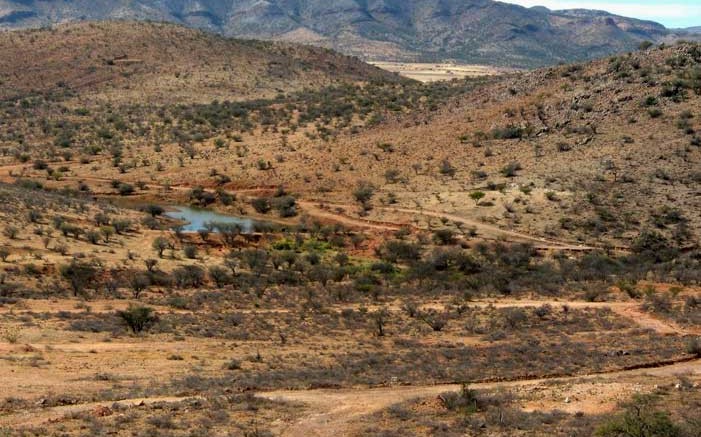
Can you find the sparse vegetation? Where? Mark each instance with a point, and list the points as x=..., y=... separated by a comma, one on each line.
x=370, y=263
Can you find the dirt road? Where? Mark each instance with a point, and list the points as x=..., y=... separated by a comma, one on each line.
x=484, y=230
x=335, y=412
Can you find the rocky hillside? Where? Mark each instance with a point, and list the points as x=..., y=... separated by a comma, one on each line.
x=475, y=31
x=595, y=152
x=151, y=63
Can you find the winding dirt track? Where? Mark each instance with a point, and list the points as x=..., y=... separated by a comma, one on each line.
x=335, y=411
x=483, y=229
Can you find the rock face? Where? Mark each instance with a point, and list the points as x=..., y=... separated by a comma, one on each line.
x=477, y=31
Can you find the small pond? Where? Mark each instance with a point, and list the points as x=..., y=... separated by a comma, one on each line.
x=195, y=218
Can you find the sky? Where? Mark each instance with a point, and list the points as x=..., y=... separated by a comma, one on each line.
x=673, y=13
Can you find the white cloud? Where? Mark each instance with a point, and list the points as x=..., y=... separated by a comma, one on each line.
x=669, y=11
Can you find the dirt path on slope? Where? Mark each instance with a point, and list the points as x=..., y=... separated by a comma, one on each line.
x=649, y=321
x=313, y=209
x=337, y=411
x=323, y=210
x=484, y=230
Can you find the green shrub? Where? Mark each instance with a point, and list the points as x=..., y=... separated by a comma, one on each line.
x=261, y=205
x=654, y=113
x=640, y=419
x=511, y=169
x=190, y=251
x=465, y=401
x=508, y=133
x=693, y=347
x=138, y=318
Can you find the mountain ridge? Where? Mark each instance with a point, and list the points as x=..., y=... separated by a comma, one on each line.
x=473, y=31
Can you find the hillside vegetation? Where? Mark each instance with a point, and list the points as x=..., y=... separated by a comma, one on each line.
x=120, y=62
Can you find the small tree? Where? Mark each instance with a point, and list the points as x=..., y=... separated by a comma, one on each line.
x=121, y=226
x=11, y=232
x=160, y=244
x=645, y=45
x=125, y=189
x=190, y=251
x=204, y=234
x=477, y=196
x=261, y=205
x=78, y=275
x=138, y=318
x=229, y=232
x=107, y=232
x=4, y=253
x=693, y=347
x=447, y=168
x=444, y=236
x=436, y=321
x=380, y=318
x=150, y=264
x=219, y=275
x=34, y=216
x=101, y=219
x=138, y=283
x=511, y=169
x=363, y=194
x=321, y=273
x=154, y=210
x=231, y=263
x=189, y=276
x=93, y=236
x=256, y=260
x=286, y=206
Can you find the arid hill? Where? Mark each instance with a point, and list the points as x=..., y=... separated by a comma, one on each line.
x=146, y=63
x=592, y=152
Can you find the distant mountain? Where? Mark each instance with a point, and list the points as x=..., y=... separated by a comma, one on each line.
x=696, y=29
x=476, y=31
